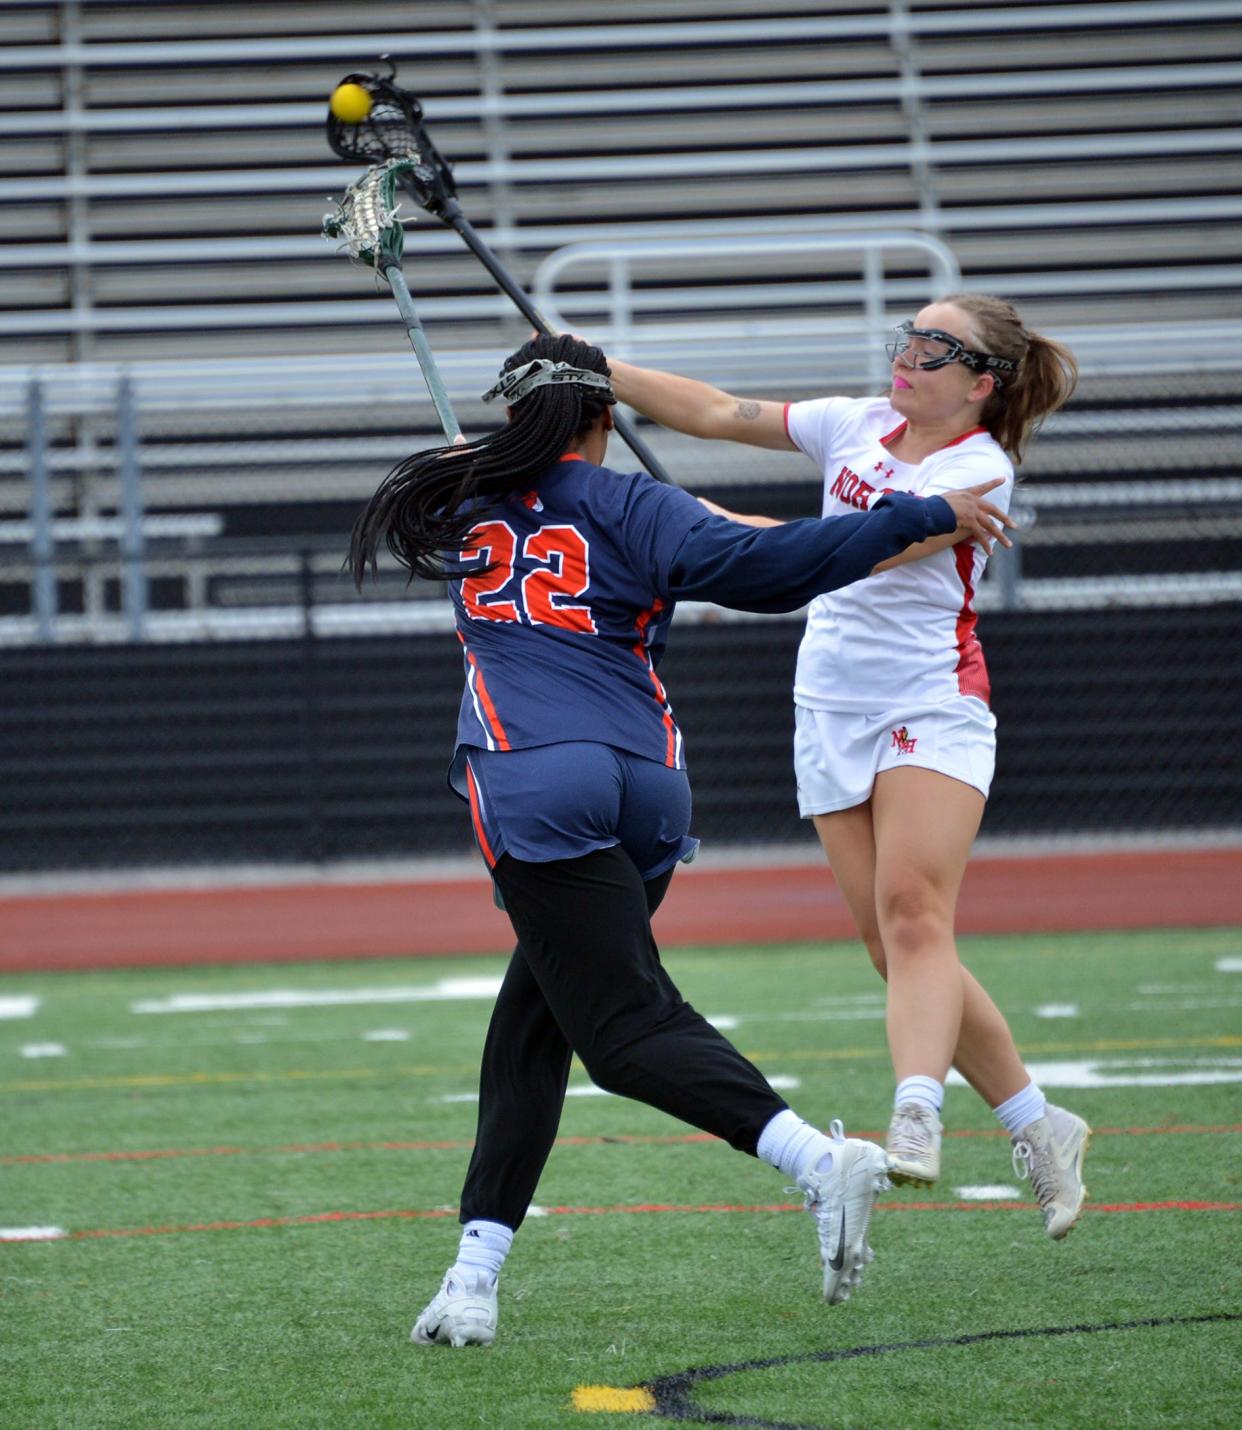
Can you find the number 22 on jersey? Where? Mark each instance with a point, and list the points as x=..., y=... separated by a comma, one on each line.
x=545, y=596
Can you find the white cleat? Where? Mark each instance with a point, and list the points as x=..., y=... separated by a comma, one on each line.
x=459, y=1314
x=913, y=1146
x=841, y=1200
x=1050, y=1151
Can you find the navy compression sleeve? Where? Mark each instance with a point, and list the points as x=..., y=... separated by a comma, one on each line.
x=780, y=568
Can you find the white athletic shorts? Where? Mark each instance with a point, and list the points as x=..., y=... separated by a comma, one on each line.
x=838, y=753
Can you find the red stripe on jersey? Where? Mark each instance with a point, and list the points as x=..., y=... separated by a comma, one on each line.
x=640, y=650
x=476, y=818
x=785, y=419
x=901, y=427
x=974, y=432
x=972, y=670
x=531, y=499
x=485, y=699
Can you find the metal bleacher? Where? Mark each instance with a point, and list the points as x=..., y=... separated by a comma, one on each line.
x=165, y=174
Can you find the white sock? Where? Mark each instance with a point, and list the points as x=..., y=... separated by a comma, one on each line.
x=1022, y=1109
x=926, y=1091
x=793, y=1146
x=483, y=1247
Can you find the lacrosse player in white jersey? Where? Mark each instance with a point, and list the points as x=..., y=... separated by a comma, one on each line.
x=895, y=744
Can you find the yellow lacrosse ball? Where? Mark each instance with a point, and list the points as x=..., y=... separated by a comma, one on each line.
x=350, y=103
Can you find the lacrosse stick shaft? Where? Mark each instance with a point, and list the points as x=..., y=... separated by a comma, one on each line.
x=397, y=136
x=422, y=349
x=450, y=212
x=625, y=429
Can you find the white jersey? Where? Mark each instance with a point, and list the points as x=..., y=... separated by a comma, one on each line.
x=907, y=636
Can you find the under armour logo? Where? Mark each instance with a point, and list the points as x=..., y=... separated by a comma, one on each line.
x=880, y=467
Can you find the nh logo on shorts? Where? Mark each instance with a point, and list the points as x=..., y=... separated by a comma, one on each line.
x=904, y=741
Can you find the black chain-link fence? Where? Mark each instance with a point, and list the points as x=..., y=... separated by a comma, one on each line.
x=335, y=749
x=189, y=677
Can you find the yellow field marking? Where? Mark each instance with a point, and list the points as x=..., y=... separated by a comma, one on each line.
x=611, y=1398
x=215, y=1079
x=203, y=1079
x=1098, y=1045
x=1119, y=1045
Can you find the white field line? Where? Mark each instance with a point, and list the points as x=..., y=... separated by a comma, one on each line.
x=988, y=1194
x=1182, y=1005
x=246, y=1037
x=31, y=1233
x=1154, y=990
x=582, y=1090
x=728, y=1022
x=234, y=1037
x=42, y=1050
x=828, y=1015
x=1057, y=1010
x=447, y=989
x=588, y=1089
x=1129, y=1072
x=19, y=1006
x=1231, y=963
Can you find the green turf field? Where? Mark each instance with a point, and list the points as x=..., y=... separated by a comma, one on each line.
x=255, y=1201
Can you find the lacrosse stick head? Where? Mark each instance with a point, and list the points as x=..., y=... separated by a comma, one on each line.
x=394, y=129
x=365, y=224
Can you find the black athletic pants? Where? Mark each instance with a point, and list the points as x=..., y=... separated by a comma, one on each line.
x=586, y=978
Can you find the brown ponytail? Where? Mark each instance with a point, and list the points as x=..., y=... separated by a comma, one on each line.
x=1046, y=377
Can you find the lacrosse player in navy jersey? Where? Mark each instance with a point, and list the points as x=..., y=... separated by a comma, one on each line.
x=563, y=575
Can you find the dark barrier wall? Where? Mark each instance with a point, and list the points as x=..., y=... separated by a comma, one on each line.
x=1111, y=721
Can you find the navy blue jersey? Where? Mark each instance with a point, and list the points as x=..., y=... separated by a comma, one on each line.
x=563, y=633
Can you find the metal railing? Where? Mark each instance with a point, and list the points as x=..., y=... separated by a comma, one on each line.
x=655, y=36
x=253, y=589
x=929, y=153
x=619, y=260
x=167, y=441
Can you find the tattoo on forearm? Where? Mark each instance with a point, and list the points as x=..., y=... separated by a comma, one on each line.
x=747, y=411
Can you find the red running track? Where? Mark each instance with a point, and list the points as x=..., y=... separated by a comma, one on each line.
x=705, y=906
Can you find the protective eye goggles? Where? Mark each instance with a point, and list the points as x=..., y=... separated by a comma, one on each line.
x=515, y=385
x=930, y=348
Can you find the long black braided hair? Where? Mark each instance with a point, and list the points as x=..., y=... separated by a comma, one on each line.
x=426, y=506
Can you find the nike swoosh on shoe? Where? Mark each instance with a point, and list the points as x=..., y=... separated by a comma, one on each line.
x=837, y=1260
